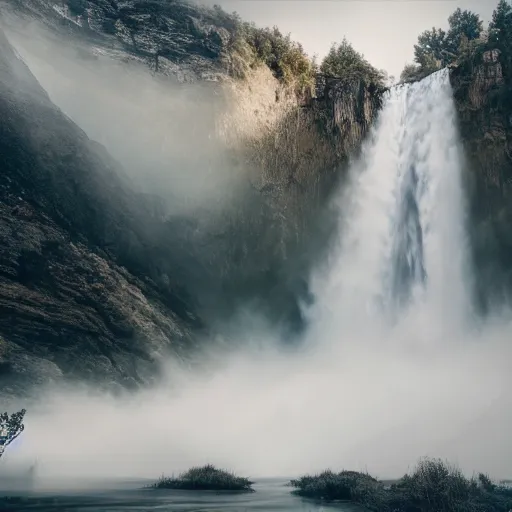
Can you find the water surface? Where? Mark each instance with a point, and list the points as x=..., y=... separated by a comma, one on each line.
x=271, y=495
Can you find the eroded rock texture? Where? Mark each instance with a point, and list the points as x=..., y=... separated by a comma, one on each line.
x=84, y=281
x=483, y=93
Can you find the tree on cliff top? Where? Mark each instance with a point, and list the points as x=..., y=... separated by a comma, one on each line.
x=436, y=48
x=285, y=57
x=250, y=45
x=410, y=73
x=344, y=62
x=431, y=47
x=10, y=428
x=500, y=28
x=462, y=24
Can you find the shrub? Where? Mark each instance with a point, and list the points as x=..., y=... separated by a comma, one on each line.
x=433, y=486
x=411, y=73
x=352, y=486
x=344, y=62
x=205, y=478
x=286, y=59
x=250, y=46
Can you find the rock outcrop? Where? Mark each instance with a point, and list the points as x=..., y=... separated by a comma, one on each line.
x=482, y=85
x=174, y=37
x=294, y=156
x=98, y=281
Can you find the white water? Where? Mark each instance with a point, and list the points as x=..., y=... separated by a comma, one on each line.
x=402, y=251
x=393, y=369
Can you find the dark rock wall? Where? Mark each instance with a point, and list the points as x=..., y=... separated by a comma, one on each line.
x=82, y=274
x=482, y=86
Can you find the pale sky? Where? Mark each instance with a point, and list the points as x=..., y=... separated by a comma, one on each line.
x=383, y=30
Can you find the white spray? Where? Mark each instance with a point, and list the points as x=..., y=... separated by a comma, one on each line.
x=402, y=251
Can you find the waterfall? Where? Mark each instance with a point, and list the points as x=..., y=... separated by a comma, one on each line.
x=401, y=250
x=381, y=378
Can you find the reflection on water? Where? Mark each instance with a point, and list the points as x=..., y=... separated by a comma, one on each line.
x=270, y=496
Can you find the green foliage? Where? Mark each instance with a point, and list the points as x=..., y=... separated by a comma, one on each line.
x=411, y=73
x=437, y=48
x=205, y=478
x=10, y=428
x=431, y=47
x=462, y=24
x=432, y=487
x=286, y=59
x=330, y=486
x=344, y=62
x=250, y=46
x=500, y=27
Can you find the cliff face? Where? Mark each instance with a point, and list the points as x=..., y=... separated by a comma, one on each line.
x=482, y=85
x=84, y=290
x=293, y=155
x=171, y=36
x=99, y=281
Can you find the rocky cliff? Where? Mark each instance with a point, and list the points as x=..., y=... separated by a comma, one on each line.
x=100, y=281
x=84, y=279
x=294, y=155
x=482, y=83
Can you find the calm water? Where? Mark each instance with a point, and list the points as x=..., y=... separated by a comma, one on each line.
x=270, y=495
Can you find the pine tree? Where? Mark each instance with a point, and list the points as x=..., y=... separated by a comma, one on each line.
x=344, y=62
x=463, y=24
x=500, y=28
x=430, y=48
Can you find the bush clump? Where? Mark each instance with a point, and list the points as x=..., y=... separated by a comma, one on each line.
x=205, y=478
x=330, y=486
x=345, y=63
x=250, y=45
x=463, y=43
x=432, y=487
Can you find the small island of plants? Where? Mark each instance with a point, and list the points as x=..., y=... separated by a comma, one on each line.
x=432, y=487
x=205, y=478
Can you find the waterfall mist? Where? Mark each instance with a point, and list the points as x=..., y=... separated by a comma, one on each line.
x=393, y=366
x=160, y=130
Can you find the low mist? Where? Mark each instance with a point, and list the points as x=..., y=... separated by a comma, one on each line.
x=369, y=389
x=376, y=403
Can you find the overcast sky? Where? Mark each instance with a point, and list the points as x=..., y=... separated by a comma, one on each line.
x=383, y=30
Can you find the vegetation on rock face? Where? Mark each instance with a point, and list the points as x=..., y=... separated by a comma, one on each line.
x=464, y=39
x=205, y=478
x=287, y=59
x=437, y=48
x=216, y=34
x=500, y=27
x=345, y=63
x=482, y=89
x=10, y=428
x=432, y=487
